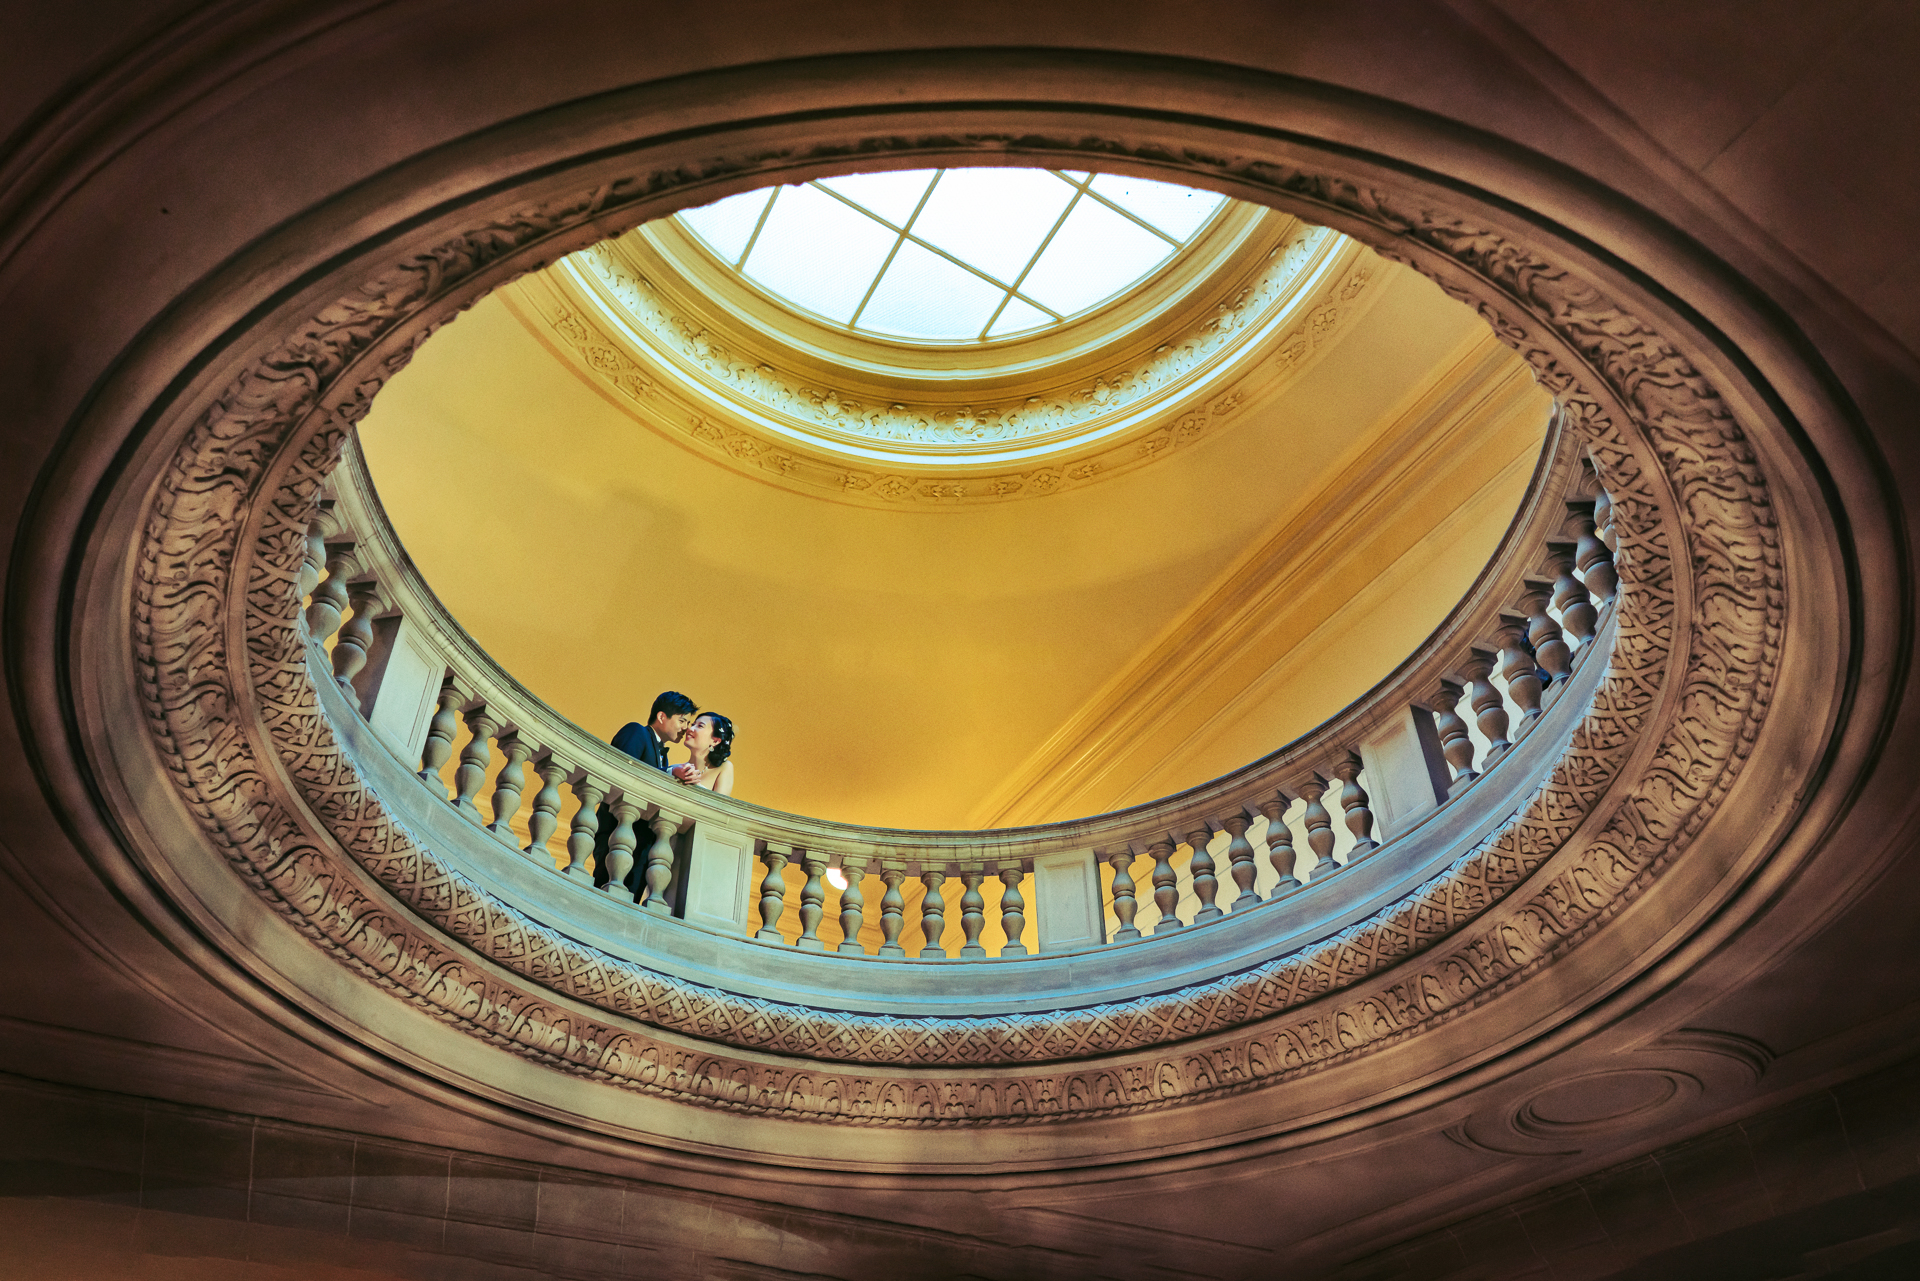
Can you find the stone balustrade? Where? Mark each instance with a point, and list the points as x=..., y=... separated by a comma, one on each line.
x=1417, y=744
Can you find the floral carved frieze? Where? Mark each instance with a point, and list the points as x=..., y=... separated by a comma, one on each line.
x=678, y=376
x=1241, y=305
x=232, y=708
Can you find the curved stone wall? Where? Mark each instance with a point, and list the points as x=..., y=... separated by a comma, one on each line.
x=236, y=726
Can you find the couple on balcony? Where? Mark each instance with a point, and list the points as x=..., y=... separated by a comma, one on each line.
x=708, y=738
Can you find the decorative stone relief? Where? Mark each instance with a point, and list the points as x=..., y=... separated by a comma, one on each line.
x=663, y=401
x=233, y=712
x=1244, y=304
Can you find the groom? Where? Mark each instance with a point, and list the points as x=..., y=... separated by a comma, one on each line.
x=667, y=723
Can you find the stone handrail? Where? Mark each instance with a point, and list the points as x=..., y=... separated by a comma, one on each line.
x=1386, y=763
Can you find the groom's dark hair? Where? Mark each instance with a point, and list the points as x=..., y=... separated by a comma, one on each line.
x=673, y=705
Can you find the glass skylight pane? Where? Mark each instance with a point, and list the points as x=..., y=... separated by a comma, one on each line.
x=725, y=225
x=1018, y=318
x=821, y=244
x=926, y=297
x=818, y=253
x=993, y=219
x=1095, y=254
x=1178, y=211
x=894, y=196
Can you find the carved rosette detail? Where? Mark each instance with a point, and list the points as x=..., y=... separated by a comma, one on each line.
x=234, y=714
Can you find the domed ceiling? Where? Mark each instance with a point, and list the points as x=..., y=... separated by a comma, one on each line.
x=950, y=563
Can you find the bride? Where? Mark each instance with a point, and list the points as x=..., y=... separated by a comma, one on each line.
x=709, y=740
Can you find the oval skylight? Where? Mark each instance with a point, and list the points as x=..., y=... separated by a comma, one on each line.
x=953, y=255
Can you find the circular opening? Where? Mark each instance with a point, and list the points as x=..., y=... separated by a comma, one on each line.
x=834, y=394
x=559, y=598
x=963, y=631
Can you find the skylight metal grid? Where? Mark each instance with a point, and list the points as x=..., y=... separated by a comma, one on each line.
x=949, y=256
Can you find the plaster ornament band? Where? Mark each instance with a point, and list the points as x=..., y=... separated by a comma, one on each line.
x=233, y=711
x=1261, y=327
x=1083, y=402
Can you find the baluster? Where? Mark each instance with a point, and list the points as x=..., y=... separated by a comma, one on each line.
x=474, y=759
x=314, y=558
x=893, y=911
x=659, y=873
x=1518, y=667
x=853, y=903
x=1124, y=906
x=1279, y=839
x=1205, y=884
x=1490, y=710
x=1570, y=597
x=1166, y=892
x=546, y=809
x=509, y=786
x=438, y=748
x=933, y=915
x=1603, y=520
x=973, y=913
x=620, y=847
x=1240, y=858
x=773, y=894
x=813, y=898
x=1013, y=912
x=330, y=597
x=355, y=641
x=1455, y=743
x=1543, y=634
x=585, y=826
x=1353, y=802
x=1591, y=556
x=1319, y=827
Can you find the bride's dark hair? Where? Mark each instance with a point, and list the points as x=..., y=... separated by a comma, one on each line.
x=722, y=740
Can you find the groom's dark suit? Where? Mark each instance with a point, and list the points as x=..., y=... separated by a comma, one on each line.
x=640, y=742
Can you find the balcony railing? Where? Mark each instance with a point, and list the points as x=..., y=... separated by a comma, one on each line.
x=1359, y=790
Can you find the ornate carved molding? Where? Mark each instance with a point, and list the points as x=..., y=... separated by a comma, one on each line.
x=1263, y=329
x=233, y=712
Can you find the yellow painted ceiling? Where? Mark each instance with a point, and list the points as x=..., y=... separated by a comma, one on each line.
x=936, y=667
